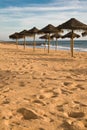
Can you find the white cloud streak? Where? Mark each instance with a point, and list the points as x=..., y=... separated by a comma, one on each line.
x=18, y=18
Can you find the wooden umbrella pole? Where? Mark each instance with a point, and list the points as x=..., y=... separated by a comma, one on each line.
x=45, y=45
x=17, y=43
x=24, y=42
x=34, y=44
x=49, y=43
x=72, y=45
x=56, y=45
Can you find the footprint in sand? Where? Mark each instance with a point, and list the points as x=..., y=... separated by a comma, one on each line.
x=80, y=104
x=60, y=108
x=79, y=86
x=22, y=84
x=67, y=83
x=6, y=101
x=85, y=123
x=48, y=94
x=71, y=88
x=73, y=125
x=66, y=92
x=39, y=102
x=41, y=97
x=67, y=126
x=41, y=129
x=2, y=86
x=27, y=114
x=55, y=94
x=76, y=114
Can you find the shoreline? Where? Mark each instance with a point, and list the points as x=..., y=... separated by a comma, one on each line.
x=27, y=48
x=61, y=46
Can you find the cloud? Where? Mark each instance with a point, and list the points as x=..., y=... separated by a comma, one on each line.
x=18, y=18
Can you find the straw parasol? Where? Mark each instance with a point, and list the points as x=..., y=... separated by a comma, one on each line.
x=84, y=33
x=73, y=24
x=24, y=34
x=49, y=29
x=16, y=36
x=33, y=32
x=56, y=35
x=46, y=37
x=71, y=35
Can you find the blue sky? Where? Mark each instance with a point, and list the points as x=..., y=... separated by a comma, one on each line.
x=17, y=15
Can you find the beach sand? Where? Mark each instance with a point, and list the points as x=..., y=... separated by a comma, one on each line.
x=41, y=91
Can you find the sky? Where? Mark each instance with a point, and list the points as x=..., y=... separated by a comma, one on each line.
x=17, y=15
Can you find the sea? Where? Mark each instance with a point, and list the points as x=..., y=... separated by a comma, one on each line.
x=79, y=45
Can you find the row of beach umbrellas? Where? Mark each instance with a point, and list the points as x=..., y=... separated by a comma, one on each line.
x=32, y=32
x=51, y=32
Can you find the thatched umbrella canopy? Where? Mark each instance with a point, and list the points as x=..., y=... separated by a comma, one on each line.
x=49, y=29
x=44, y=37
x=84, y=33
x=73, y=24
x=57, y=36
x=16, y=36
x=33, y=32
x=71, y=35
x=24, y=34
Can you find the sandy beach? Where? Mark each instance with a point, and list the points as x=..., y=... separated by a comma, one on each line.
x=41, y=91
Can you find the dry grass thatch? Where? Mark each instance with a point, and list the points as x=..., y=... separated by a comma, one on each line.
x=34, y=30
x=73, y=24
x=15, y=36
x=56, y=35
x=84, y=34
x=71, y=35
x=49, y=29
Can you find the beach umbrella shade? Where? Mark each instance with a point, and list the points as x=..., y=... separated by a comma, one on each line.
x=57, y=36
x=24, y=34
x=71, y=35
x=46, y=37
x=33, y=32
x=16, y=36
x=49, y=29
x=84, y=33
x=73, y=24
